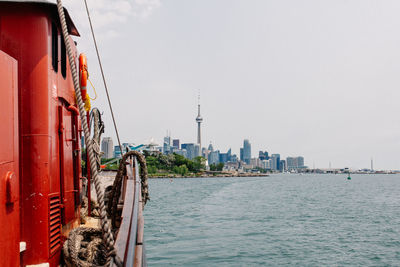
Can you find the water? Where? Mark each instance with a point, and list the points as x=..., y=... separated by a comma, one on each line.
x=301, y=220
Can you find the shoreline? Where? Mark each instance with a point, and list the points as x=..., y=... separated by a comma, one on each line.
x=220, y=175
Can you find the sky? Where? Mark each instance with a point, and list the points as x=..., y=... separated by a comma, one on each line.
x=312, y=78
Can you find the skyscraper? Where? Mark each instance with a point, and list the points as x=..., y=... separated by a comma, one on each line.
x=176, y=143
x=167, y=144
x=190, y=150
x=294, y=163
x=276, y=158
x=199, y=120
x=263, y=155
x=107, y=147
x=246, y=151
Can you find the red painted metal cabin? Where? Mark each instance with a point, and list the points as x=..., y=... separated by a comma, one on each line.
x=39, y=135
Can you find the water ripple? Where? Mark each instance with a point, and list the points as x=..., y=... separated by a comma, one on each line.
x=285, y=220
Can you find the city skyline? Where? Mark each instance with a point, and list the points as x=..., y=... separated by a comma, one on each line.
x=266, y=70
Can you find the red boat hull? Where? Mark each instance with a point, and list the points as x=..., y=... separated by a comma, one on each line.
x=39, y=139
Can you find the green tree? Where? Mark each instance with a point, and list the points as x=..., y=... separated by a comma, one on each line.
x=180, y=160
x=199, y=163
x=152, y=169
x=152, y=161
x=219, y=166
x=183, y=169
x=213, y=167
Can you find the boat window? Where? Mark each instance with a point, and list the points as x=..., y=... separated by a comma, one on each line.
x=63, y=59
x=54, y=47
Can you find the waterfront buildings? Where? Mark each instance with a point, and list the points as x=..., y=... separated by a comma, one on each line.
x=107, y=147
x=295, y=163
x=264, y=161
x=246, y=151
x=275, y=161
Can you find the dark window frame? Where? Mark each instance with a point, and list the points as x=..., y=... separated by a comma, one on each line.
x=54, y=46
x=63, y=59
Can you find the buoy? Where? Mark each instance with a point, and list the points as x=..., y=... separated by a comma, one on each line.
x=348, y=177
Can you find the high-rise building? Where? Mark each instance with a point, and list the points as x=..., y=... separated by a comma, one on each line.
x=210, y=148
x=176, y=143
x=294, y=163
x=196, y=150
x=255, y=162
x=190, y=150
x=275, y=161
x=267, y=163
x=300, y=162
x=167, y=145
x=263, y=155
x=225, y=157
x=246, y=151
x=199, y=120
x=213, y=157
x=107, y=147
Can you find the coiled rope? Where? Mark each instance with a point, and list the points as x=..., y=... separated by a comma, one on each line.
x=84, y=248
x=116, y=189
x=107, y=237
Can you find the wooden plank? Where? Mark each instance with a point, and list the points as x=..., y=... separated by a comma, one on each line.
x=121, y=242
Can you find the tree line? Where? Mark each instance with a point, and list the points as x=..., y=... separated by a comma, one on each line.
x=175, y=163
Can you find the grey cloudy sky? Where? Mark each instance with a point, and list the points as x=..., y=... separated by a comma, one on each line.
x=314, y=78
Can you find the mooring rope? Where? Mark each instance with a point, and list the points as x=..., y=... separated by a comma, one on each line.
x=116, y=189
x=107, y=237
x=98, y=129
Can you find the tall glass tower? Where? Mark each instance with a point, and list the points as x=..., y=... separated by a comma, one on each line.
x=246, y=151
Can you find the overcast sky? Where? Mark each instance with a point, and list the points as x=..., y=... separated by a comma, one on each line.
x=314, y=78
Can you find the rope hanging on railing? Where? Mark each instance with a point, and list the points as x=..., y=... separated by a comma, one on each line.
x=116, y=189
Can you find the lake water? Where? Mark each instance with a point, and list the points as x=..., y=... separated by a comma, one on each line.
x=302, y=220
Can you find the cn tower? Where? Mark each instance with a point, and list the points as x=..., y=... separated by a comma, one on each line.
x=199, y=120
